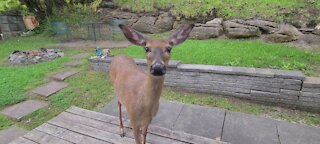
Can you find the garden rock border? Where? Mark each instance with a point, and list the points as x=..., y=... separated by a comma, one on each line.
x=218, y=28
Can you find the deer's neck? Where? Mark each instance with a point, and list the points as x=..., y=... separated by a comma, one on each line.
x=152, y=89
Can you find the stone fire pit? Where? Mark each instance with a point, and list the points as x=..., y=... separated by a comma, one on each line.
x=34, y=56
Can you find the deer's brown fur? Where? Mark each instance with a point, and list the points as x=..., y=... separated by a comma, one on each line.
x=140, y=92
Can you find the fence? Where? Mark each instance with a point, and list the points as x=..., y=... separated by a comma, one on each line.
x=11, y=25
x=95, y=31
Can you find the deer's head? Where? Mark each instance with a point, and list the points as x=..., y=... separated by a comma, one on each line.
x=157, y=51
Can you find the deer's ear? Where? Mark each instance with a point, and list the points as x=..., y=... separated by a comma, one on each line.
x=181, y=35
x=132, y=35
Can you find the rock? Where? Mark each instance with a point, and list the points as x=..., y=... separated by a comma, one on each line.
x=264, y=26
x=123, y=15
x=178, y=24
x=307, y=42
x=165, y=22
x=317, y=27
x=145, y=24
x=306, y=30
x=206, y=31
x=34, y=56
x=149, y=24
x=317, y=30
x=130, y=22
x=234, y=29
x=310, y=39
x=286, y=33
x=217, y=21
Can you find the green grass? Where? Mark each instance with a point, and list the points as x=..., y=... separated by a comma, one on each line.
x=243, y=106
x=15, y=81
x=92, y=90
x=270, y=9
x=88, y=89
x=22, y=43
x=5, y=122
x=238, y=53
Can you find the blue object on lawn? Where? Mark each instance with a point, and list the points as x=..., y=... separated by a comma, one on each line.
x=98, y=52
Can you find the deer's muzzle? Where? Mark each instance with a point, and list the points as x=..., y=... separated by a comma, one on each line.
x=158, y=69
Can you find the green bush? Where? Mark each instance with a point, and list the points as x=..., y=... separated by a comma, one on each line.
x=73, y=15
x=12, y=7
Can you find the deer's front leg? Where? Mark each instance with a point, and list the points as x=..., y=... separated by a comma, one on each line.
x=144, y=134
x=136, y=133
x=120, y=120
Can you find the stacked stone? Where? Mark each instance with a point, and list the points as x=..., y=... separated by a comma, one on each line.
x=281, y=87
x=263, y=85
x=310, y=94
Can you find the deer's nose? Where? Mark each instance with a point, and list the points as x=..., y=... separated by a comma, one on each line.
x=158, y=69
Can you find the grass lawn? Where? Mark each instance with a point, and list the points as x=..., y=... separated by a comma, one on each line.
x=270, y=9
x=16, y=80
x=92, y=90
x=238, y=53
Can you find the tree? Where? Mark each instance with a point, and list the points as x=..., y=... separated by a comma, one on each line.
x=43, y=8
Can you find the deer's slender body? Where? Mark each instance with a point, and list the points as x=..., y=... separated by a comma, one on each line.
x=138, y=91
x=141, y=100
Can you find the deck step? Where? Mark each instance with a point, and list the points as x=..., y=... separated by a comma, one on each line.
x=77, y=125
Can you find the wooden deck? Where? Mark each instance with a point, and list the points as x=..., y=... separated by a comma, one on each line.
x=80, y=126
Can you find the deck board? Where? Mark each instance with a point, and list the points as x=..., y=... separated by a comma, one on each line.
x=80, y=126
x=175, y=135
x=22, y=140
x=68, y=135
x=44, y=138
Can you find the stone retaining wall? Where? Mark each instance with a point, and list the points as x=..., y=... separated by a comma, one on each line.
x=270, y=86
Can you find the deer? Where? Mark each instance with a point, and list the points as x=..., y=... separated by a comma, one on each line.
x=137, y=90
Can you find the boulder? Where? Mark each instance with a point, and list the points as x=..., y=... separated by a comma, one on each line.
x=317, y=30
x=235, y=29
x=286, y=33
x=178, y=24
x=307, y=42
x=310, y=39
x=165, y=22
x=306, y=30
x=217, y=21
x=206, y=31
x=150, y=24
x=123, y=15
x=145, y=24
x=317, y=27
x=266, y=27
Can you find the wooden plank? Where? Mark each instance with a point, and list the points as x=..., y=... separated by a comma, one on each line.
x=68, y=135
x=180, y=136
x=90, y=131
x=43, y=138
x=151, y=138
x=92, y=114
x=22, y=140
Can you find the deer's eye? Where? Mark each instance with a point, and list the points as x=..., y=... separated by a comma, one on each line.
x=168, y=49
x=147, y=49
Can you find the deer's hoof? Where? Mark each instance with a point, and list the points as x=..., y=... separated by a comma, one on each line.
x=121, y=133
